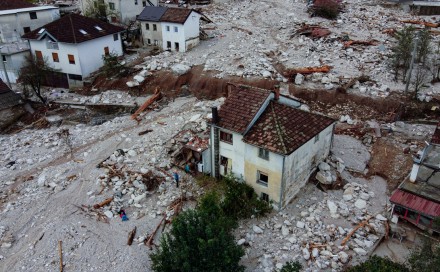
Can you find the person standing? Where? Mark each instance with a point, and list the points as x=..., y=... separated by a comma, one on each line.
x=176, y=178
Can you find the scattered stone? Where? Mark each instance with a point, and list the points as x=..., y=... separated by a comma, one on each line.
x=360, y=204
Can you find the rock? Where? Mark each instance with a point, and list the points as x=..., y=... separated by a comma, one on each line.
x=332, y=207
x=180, y=69
x=315, y=252
x=299, y=79
x=364, y=196
x=306, y=253
x=241, y=241
x=381, y=217
x=109, y=214
x=360, y=204
x=267, y=262
x=138, y=198
x=292, y=240
x=41, y=180
x=6, y=245
x=195, y=117
x=368, y=243
x=287, y=223
x=324, y=177
x=257, y=229
x=132, y=84
x=131, y=153
x=52, y=185
x=347, y=197
x=266, y=73
x=300, y=224
x=360, y=251
x=285, y=230
x=139, y=78
x=323, y=166
x=343, y=257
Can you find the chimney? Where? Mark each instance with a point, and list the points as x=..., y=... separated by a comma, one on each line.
x=215, y=118
x=276, y=93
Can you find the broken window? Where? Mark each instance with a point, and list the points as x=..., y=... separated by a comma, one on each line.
x=168, y=45
x=263, y=153
x=226, y=137
x=262, y=178
x=265, y=197
x=148, y=41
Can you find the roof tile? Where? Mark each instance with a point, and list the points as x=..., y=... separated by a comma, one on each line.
x=15, y=4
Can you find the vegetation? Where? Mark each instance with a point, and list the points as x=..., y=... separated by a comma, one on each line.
x=33, y=75
x=201, y=239
x=112, y=66
x=326, y=8
x=378, y=264
x=291, y=267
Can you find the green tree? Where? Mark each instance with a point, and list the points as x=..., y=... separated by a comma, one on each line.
x=378, y=264
x=34, y=73
x=291, y=267
x=112, y=66
x=426, y=258
x=200, y=240
x=401, y=56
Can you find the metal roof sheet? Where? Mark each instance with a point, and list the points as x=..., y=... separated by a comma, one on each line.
x=416, y=203
x=152, y=14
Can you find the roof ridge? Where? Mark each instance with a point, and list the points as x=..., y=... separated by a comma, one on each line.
x=278, y=127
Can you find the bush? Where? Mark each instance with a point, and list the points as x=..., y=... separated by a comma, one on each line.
x=326, y=8
x=291, y=267
x=240, y=201
x=378, y=264
x=200, y=240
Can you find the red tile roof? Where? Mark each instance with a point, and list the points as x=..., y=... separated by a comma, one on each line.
x=175, y=15
x=240, y=108
x=436, y=137
x=416, y=203
x=67, y=29
x=15, y=4
x=283, y=129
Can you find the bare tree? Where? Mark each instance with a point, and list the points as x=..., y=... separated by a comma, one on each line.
x=420, y=79
x=33, y=74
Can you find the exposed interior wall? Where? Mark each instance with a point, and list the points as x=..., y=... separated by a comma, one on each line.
x=150, y=34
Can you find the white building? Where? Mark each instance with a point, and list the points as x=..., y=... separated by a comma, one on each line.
x=75, y=45
x=119, y=10
x=13, y=56
x=175, y=29
x=263, y=138
x=18, y=17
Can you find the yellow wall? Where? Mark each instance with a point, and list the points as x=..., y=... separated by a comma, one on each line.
x=274, y=184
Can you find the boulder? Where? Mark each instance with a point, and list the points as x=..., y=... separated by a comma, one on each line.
x=299, y=79
x=180, y=69
x=324, y=177
x=323, y=166
x=241, y=241
x=109, y=214
x=332, y=207
x=360, y=251
x=257, y=229
x=360, y=204
x=306, y=253
x=300, y=224
x=343, y=257
x=139, y=78
x=285, y=230
x=381, y=217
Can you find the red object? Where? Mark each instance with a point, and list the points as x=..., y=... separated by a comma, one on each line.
x=416, y=203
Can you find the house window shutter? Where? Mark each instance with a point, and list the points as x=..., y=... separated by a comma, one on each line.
x=71, y=59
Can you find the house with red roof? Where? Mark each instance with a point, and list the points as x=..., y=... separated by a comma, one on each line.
x=75, y=46
x=265, y=139
x=174, y=29
x=417, y=199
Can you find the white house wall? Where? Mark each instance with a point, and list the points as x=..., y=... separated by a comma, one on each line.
x=128, y=9
x=13, y=65
x=235, y=152
x=150, y=34
x=192, y=31
x=64, y=49
x=172, y=36
x=301, y=163
x=91, y=52
x=12, y=25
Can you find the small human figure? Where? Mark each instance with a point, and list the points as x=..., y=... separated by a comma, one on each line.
x=187, y=169
x=123, y=215
x=176, y=178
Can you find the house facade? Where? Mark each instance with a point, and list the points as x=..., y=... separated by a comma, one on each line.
x=13, y=56
x=18, y=17
x=417, y=199
x=118, y=10
x=75, y=46
x=174, y=29
x=266, y=140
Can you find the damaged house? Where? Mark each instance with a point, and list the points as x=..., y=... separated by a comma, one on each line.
x=417, y=199
x=265, y=139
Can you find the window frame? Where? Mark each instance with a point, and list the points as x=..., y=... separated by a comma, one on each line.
x=176, y=29
x=28, y=28
x=147, y=26
x=154, y=27
x=149, y=41
x=111, y=5
x=55, y=57
x=71, y=59
x=116, y=37
x=135, y=2
x=263, y=153
x=260, y=181
x=167, y=28
x=226, y=137
x=33, y=14
x=39, y=55
x=265, y=197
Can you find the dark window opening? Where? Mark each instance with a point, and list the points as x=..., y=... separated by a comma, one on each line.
x=169, y=45
x=147, y=26
x=39, y=55
x=154, y=27
x=176, y=45
x=226, y=137
x=106, y=51
x=75, y=77
x=116, y=37
x=111, y=6
x=26, y=29
x=4, y=58
x=148, y=41
x=33, y=15
x=263, y=153
x=263, y=178
x=265, y=197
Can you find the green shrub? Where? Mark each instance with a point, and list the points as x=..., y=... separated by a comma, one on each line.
x=378, y=264
x=291, y=267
